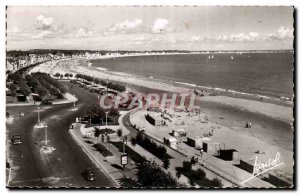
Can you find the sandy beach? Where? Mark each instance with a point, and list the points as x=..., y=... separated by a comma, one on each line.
x=271, y=130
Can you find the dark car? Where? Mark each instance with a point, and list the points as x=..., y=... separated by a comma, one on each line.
x=47, y=102
x=16, y=139
x=88, y=175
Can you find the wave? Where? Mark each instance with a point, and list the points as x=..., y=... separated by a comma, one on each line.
x=101, y=68
x=184, y=83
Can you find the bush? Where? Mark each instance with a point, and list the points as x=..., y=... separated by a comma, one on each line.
x=187, y=166
x=119, y=132
x=102, y=149
x=166, y=163
x=151, y=175
x=198, y=174
x=133, y=141
x=24, y=88
x=216, y=183
x=152, y=147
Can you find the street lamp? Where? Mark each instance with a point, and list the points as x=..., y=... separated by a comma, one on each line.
x=39, y=115
x=46, y=135
x=106, y=85
x=106, y=113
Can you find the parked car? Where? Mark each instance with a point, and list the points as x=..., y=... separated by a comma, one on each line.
x=88, y=175
x=16, y=139
x=47, y=102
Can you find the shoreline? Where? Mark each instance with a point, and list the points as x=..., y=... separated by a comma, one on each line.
x=81, y=66
x=224, y=91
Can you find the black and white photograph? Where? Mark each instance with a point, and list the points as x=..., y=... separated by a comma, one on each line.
x=150, y=97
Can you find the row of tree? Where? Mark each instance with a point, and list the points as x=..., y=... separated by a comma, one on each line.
x=111, y=85
x=40, y=83
x=67, y=75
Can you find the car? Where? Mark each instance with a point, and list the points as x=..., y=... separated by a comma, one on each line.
x=88, y=175
x=16, y=139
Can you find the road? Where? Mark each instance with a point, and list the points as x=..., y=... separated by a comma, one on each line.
x=61, y=168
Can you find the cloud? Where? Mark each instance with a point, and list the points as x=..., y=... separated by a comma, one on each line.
x=282, y=33
x=125, y=27
x=196, y=38
x=159, y=25
x=42, y=34
x=44, y=23
x=84, y=32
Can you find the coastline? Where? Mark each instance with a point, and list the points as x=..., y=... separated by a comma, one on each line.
x=230, y=112
x=135, y=81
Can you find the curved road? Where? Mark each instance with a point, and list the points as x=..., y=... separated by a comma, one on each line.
x=61, y=168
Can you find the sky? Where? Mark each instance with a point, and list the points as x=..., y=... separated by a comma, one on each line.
x=150, y=28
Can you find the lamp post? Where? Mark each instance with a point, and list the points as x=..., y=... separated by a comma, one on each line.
x=46, y=135
x=39, y=115
x=106, y=85
x=106, y=113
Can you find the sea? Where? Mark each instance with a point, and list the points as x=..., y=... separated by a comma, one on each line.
x=269, y=74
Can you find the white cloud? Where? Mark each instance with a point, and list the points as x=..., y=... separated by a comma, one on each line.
x=282, y=33
x=84, y=32
x=42, y=34
x=14, y=30
x=195, y=38
x=126, y=26
x=159, y=25
x=43, y=22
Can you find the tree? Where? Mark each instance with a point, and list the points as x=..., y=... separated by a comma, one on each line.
x=133, y=141
x=216, y=183
x=150, y=174
x=94, y=111
x=26, y=91
x=187, y=166
x=41, y=91
x=178, y=174
x=199, y=174
x=119, y=132
x=113, y=112
x=57, y=75
x=128, y=182
x=166, y=163
x=97, y=132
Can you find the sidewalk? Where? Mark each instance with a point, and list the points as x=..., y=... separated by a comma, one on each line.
x=109, y=165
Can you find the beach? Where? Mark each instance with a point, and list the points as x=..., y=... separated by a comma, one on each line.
x=271, y=120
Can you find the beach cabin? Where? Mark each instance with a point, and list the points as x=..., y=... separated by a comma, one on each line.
x=247, y=165
x=213, y=147
x=230, y=155
x=197, y=142
x=170, y=141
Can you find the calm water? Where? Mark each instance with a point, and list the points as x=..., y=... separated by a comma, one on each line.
x=269, y=74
